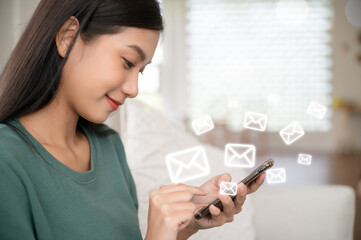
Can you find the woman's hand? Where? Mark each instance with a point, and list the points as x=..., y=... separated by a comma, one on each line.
x=171, y=209
x=230, y=207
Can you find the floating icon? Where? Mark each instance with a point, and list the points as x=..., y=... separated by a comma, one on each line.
x=291, y=133
x=228, y=188
x=304, y=159
x=255, y=121
x=316, y=110
x=187, y=164
x=276, y=175
x=240, y=155
x=202, y=125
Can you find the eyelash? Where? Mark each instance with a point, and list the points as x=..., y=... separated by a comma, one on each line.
x=130, y=65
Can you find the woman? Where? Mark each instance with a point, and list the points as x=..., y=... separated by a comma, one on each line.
x=63, y=174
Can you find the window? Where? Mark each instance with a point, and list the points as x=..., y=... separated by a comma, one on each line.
x=149, y=83
x=244, y=50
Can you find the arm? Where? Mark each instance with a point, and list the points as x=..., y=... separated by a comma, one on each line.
x=170, y=211
x=15, y=221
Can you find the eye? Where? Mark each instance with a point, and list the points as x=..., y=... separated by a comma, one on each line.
x=130, y=64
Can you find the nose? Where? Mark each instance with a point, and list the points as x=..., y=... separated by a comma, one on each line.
x=130, y=86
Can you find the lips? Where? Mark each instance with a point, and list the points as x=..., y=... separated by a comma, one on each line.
x=113, y=103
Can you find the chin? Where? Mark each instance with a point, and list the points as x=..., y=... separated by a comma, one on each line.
x=96, y=119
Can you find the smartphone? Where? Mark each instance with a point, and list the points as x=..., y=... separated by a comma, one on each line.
x=247, y=180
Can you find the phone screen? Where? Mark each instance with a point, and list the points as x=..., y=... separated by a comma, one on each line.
x=246, y=181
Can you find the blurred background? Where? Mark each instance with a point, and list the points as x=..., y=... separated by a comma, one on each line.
x=226, y=57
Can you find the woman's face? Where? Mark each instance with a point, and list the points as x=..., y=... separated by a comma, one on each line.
x=109, y=66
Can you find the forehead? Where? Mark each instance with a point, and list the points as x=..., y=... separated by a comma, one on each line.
x=132, y=38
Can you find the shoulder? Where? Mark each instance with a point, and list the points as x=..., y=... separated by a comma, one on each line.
x=11, y=141
x=13, y=152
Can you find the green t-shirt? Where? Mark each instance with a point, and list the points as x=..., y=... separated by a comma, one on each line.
x=41, y=198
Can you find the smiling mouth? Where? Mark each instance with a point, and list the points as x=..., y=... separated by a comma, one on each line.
x=114, y=101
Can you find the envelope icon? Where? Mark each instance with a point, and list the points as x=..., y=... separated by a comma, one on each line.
x=202, y=125
x=240, y=155
x=316, y=110
x=304, y=159
x=228, y=188
x=255, y=121
x=292, y=132
x=276, y=175
x=188, y=164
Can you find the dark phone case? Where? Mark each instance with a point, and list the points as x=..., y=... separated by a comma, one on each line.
x=247, y=180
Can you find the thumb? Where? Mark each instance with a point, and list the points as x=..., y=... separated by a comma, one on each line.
x=225, y=177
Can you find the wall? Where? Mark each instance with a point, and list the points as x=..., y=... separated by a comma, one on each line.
x=14, y=15
x=346, y=81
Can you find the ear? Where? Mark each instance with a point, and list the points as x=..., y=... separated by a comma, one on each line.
x=66, y=34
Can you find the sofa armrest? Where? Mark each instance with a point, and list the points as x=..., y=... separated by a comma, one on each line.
x=318, y=212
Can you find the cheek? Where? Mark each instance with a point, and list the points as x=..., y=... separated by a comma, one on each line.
x=96, y=75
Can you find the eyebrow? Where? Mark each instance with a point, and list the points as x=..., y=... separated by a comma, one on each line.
x=139, y=51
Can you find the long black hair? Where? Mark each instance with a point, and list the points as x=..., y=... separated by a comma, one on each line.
x=31, y=76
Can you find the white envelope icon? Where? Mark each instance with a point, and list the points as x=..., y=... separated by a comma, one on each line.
x=188, y=164
x=228, y=188
x=292, y=132
x=202, y=125
x=304, y=159
x=276, y=175
x=240, y=155
x=316, y=110
x=255, y=121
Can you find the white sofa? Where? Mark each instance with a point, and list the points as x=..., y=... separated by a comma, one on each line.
x=279, y=213
x=318, y=212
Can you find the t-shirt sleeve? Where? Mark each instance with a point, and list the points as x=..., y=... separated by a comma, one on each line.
x=15, y=213
x=126, y=171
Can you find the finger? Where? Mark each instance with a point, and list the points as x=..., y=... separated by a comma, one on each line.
x=182, y=187
x=177, y=207
x=256, y=184
x=225, y=177
x=180, y=219
x=228, y=205
x=241, y=197
x=179, y=196
x=216, y=215
x=167, y=186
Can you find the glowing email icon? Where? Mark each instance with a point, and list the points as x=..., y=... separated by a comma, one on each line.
x=188, y=164
x=228, y=188
x=304, y=159
x=255, y=121
x=276, y=175
x=291, y=133
x=240, y=155
x=202, y=125
x=316, y=110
